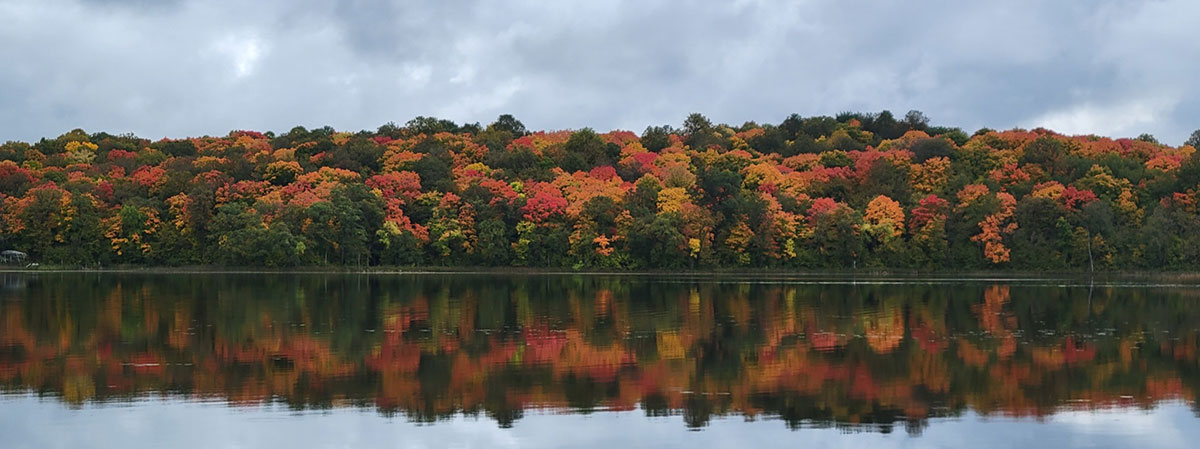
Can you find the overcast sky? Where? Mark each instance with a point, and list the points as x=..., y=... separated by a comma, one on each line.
x=176, y=68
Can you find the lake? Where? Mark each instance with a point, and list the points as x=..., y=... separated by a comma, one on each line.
x=524, y=360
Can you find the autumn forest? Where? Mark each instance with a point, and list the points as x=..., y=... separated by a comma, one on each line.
x=855, y=191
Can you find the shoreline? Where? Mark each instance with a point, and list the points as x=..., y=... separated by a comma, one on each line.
x=950, y=275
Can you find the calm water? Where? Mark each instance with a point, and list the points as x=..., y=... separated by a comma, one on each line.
x=272, y=360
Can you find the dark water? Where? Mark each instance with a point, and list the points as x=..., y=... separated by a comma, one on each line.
x=271, y=360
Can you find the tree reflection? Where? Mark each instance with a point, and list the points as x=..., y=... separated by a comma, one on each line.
x=853, y=356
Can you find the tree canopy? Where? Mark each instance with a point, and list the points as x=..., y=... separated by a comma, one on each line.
x=853, y=191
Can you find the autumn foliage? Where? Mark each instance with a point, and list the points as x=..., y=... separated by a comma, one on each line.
x=852, y=191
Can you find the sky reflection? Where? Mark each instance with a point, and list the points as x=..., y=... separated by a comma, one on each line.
x=29, y=422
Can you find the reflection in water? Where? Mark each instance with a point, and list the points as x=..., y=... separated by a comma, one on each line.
x=861, y=356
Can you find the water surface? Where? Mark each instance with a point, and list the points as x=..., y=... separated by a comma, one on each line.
x=479, y=360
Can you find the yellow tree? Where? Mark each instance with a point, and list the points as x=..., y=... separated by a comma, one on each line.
x=81, y=152
x=883, y=224
x=930, y=176
x=884, y=218
x=672, y=199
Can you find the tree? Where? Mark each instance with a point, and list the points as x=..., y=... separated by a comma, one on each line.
x=655, y=241
x=696, y=123
x=1167, y=240
x=883, y=224
x=586, y=149
x=37, y=219
x=956, y=135
x=357, y=154
x=835, y=238
x=993, y=228
x=886, y=216
x=884, y=177
x=655, y=138
x=1038, y=241
x=390, y=130
x=14, y=180
x=821, y=126
x=178, y=148
x=430, y=126
x=244, y=240
x=931, y=147
x=493, y=247
x=927, y=224
x=509, y=124
x=1050, y=153
x=916, y=120
x=792, y=125
x=435, y=166
x=1194, y=139
x=282, y=173
x=772, y=140
x=841, y=140
x=698, y=132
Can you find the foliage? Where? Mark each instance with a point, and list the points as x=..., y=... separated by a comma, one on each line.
x=835, y=192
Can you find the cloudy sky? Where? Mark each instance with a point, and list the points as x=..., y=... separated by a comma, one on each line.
x=183, y=68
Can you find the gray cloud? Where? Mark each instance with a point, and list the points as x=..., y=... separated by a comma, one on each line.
x=180, y=68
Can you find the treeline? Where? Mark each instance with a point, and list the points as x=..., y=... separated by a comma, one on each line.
x=851, y=191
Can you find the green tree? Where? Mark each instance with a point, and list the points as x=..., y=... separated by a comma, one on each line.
x=509, y=124
x=1194, y=139
x=655, y=138
x=1038, y=240
x=586, y=149
x=430, y=126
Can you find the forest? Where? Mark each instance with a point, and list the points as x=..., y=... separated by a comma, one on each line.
x=854, y=191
